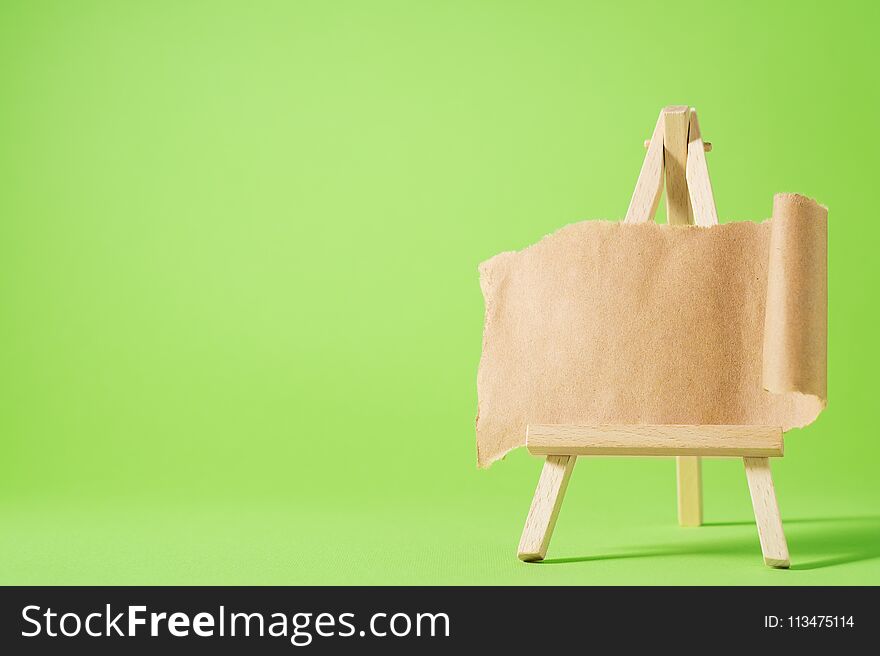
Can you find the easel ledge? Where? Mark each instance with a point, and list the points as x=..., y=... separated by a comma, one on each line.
x=654, y=440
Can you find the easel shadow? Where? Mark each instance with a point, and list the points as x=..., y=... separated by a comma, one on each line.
x=845, y=540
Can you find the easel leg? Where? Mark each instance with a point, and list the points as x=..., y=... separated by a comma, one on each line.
x=769, y=523
x=690, y=490
x=545, y=507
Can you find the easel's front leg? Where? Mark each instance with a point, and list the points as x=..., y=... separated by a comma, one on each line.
x=545, y=507
x=690, y=490
x=773, y=544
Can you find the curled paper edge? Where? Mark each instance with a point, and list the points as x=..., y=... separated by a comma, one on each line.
x=796, y=319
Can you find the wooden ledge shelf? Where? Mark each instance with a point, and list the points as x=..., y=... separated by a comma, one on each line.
x=654, y=440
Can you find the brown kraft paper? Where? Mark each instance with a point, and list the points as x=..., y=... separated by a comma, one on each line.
x=613, y=323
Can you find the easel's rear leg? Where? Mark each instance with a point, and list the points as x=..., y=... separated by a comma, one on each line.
x=545, y=507
x=688, y=470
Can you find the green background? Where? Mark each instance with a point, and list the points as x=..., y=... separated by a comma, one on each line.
x=241, y=317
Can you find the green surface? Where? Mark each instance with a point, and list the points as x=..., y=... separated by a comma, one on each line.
x=238, y=278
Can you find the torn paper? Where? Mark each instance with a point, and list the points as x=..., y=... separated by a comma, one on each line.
x=612, y=323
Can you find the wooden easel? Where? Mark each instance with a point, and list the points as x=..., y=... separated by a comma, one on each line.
x=676, y=151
